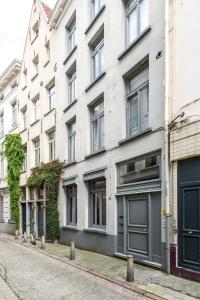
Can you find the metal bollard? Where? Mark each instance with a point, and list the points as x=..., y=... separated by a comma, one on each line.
x=16, y=234
x=25, y=237
x=72, y=251
x=43, y=244
x=130, y=269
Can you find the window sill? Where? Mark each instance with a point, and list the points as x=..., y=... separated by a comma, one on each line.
x=96, y=230
x=134, y=137
x=69, y=55
x=70, y=164
x=95, y=153
x=35, y=122
x=134, y=43
x=69, y=106
x=35, y=38
x=53, y=109
x=95, y=18
x=24, y=88
x=95, y=81
x=46, y=64
x=13, y=128
x=22, y=131
x=34, y=77
x=70, y=227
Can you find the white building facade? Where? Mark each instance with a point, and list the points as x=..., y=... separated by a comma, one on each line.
x=9, y=104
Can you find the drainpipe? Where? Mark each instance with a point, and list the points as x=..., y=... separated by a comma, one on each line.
x=167, y=141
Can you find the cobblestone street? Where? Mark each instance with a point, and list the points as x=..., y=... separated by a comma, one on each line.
x=32, y=275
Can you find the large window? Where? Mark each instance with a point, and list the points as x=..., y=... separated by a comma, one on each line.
x=98, y=203
x=97, y=56
x=25, y=158
x=36, y=109
x=37, y=151
x=24, y=117
x=1, y=124
x=71, y=217
x=72, y=141
x=72, y=85
x=140, y=169
x=14, y=114
x=71, y=34
x=51, y=92
x=137, y=18
x=96, y=7
x=97, y=127
x=138, y=104
x=52, y=145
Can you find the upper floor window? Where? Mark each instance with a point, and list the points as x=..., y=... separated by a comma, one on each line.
x=138, y=103
x=24, y=117
x=14, y=114
x=96, y=7
x=140, y=169
x=97, y=56
x=1, y=124
x=72, y=141
x=35, y=30
x=25, y=158
x=72, y=85
x=36, y=63
x=97, y=127
x=36, y=109
x=37, y=151
x=137, y=18
x=51, y=97
x=52, y=145
x=71, y=34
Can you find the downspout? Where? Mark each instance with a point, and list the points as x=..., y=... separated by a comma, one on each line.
x=167, y=140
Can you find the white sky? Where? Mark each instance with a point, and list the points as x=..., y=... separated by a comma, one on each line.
x=14, y=19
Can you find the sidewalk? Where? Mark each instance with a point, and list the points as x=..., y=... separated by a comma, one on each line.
x=148, y=279
x=5, y=291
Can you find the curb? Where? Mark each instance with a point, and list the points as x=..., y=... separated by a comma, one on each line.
x=89, y=271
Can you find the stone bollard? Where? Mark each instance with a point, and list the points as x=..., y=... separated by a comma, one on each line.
x=16, y=234
x=43, y=245
x=72, y=251
x=25, y=237
x=130, y=269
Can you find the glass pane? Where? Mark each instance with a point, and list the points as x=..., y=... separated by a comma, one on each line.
x=101, y=142
x=132, y=26
x=133, y=115
x=144, y=109
x=101, y=58
x=103, y=210
x=144, y=14
x=96, y=65
x=70, y=209
x=98, y=109
x=95, y=135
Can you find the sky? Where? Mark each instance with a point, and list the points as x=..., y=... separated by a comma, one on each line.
x=14, y=20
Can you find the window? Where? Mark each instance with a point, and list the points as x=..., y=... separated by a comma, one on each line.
x=23, y=193
x=98, y=203
x=35, y=30
x=138, y=104
x=1, y=124
x=25, y=159
x=71, y=216
x=24, y=117
x=13, y=85
x=137, y=18
x=52, y=97
x=52, y=145
x=140, y=169
x=40, y=192
x=72, y=86
x=32, y=193
x=36, y=64
x=72, y=141
x=37, y=151
x=47, y=47
x=96, y=7
x=97, y=56
x=97, y=127
x=1, y=208
x=14, y=114
x=36, y=109
x=71, y=34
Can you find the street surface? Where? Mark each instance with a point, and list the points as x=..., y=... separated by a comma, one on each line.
x=34, y=276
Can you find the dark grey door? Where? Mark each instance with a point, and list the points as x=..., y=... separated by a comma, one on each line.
x=32, y=217
x=138, y=226
x=23, y=217
x=40, y=220
x=189, y=230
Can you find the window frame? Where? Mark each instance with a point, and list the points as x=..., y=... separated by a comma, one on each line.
x=37, y=152
x=72, y=86
x=14, y=114
x=99, y=118
x=71, y=35
x=52, y=145
x=71, y=206
x=51, y=96
x=97, y=50
x=71, y=141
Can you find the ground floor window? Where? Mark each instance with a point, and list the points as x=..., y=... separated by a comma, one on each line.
x=98, y=203
x=71, y=217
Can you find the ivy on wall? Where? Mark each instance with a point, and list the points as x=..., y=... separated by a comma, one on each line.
x=14, y=154
x=48, y=175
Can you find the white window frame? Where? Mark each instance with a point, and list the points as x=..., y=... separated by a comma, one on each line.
x=52, y=145
x=37, y=151
x=25, y=158
x=14, y=114
x=72, y=84
x=71, y=141
x=96, y=6
x=52, y=93
x=97, y=51
x=71, y=35
x=71, y=205
x=98, y=144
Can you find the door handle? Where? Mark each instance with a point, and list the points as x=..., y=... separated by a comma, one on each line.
x=190, y=232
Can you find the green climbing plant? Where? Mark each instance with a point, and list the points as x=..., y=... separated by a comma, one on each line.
x=14, y=153
x=49, y=176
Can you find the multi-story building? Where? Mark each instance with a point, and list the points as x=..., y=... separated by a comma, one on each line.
x=9, y=102
x=37, y=115
x=183, y=93
x=110, y=123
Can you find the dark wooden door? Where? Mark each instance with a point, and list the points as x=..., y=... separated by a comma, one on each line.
x=23, y=217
